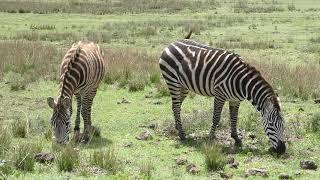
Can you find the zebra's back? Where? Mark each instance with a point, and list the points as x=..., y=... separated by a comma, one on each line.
x=82, y=68
x=198, y=67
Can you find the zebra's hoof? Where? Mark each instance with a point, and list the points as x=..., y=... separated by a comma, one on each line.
x=85, y=139
x=182, y=137
x=238, y=143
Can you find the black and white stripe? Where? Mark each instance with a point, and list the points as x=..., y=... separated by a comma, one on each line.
x=82, y=70
x=187, y=65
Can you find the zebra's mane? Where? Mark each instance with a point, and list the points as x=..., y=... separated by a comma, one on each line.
x=74, y=54
x=274, y=97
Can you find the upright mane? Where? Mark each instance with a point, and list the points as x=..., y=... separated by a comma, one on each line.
x=67, y=63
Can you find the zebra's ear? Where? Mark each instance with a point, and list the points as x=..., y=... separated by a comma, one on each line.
x=66, y=102
x=51, y=102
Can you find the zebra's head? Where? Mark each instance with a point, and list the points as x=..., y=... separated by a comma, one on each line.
x=60, y=119
x=273, y=123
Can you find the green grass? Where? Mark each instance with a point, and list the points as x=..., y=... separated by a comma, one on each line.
x=280, y=38
x=120, y=123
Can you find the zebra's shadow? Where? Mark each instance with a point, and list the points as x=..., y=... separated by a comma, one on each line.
x=97, y=142
x=199, y=144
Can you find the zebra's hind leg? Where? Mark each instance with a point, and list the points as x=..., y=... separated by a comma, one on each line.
x=86, y=114
x=234, y=109
x=217, y=109
x=77, y=135
x=178, y=94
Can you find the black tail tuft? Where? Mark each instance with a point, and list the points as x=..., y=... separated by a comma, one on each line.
x=189, y=35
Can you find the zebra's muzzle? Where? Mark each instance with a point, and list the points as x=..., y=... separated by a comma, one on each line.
x=280, y=149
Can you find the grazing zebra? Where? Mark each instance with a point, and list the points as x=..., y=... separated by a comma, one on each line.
x=82, y=69
x=187, y=65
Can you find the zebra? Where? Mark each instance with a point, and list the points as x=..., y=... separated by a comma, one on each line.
x=82, y=70
x=187, y=65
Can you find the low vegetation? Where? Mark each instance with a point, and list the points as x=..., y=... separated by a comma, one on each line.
x=106, y=159
x=214, y=158
x=68, y=158
x=277, y=37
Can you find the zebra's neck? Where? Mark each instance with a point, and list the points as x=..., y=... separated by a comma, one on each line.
x=255, y=88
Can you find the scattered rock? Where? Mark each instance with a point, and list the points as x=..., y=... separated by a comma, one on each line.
x=146, y=135
x=248, y=159
x=96, y=170
x=284, y=176
x=127, y=145
x=230, y=160
x=257, y=172
x=123, y=101
x=225, y=175
x=308, y=164
x=181, y=160
x=44, y=157
x=298, y=173
x=317, y=101
x=192, y=168
x=158, y=103
x=3, y=162
x=234, y=165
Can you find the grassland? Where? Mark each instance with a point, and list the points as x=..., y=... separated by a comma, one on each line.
x=281, y=39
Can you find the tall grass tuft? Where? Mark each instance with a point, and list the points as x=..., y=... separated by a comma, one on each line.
x=146, y=169
x=68, y=159
x=5, y=139
x=313, y=125
x=214, y=158
x=106, y=159
x=23, y=156
x=19, y=128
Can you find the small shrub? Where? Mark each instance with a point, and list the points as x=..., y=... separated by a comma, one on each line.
x=291, y=7
x=15, y=80
x=19, y=128
x=5, y=140
x=23, y=157
x=162, y=89
x=136, y=84
x=105, y=159
x=48, y=133
x=145, y=170
x=68, y=159
x=314, y=123
x=154, y=77
x=214, y=158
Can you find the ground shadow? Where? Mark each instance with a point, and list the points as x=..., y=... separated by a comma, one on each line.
x=199, y=142
x=97, y=142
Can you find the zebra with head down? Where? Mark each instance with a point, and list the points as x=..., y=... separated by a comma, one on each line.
x=82, y=69
x=187, y=65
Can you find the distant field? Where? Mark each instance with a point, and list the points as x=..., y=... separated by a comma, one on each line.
x=282, y=39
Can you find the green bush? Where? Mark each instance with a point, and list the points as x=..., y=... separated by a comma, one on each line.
x=68, y=159
x=214, y=158
x=105, y=159
x=19, y=128
x=145, y=170
x=313, y=125
x=23, y=156
x=5, y=140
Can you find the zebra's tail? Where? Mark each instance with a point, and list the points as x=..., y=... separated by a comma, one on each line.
x=189, y=35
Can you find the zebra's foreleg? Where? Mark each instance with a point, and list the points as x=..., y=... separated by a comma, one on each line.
x=77, y=122
x=217, y=109
x=86, y=114
x=234, y=109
